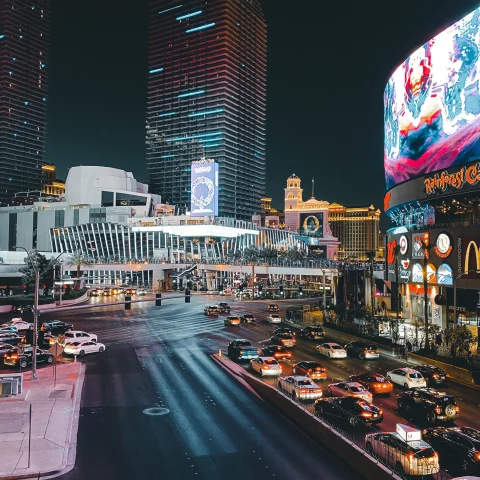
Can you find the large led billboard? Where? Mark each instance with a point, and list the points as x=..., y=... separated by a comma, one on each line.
x=311, y=225
x=432, y=106
x=204, y=185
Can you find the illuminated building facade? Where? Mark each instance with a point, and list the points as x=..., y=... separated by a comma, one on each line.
x=206, y=98
x=24, y=44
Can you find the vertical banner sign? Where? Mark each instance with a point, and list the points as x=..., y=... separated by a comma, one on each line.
x=204, y=185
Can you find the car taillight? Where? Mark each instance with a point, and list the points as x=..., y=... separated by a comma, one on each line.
x=240, y=352
x=477, y=456
x=259, y=352
x=457, y=409
x=283, y=341
x=322, y=370
x=380, y=411
x=438, y=410
x=366, y=414
x=14, y=356
x=265, y=367
x=377, y=351
x=435, y=375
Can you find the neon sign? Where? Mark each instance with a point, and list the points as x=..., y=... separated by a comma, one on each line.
x=444, y=181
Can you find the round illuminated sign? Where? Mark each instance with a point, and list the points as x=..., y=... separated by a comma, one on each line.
x=443, y=245
x=403, y=242
x=203, y=191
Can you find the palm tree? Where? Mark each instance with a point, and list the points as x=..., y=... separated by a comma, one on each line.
x=79, y=259
x=371, y=254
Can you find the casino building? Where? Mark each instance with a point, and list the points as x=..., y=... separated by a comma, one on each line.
x=432, y=173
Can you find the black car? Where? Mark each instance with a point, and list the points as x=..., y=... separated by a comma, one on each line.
x=13, y=358
x=433, y=375
x=429, y=404
x=348, y=409
x=56, y=327
x=362, y=350
x=312, y=332
x=5, y=348
x=277, y=351
x=273, y=307
x=10, y=338
x=290, y=331
x=457, y=447
x=283, y=339
x=248, y=318
x=224, y=307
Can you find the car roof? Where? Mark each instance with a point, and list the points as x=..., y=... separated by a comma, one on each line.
x=353, y=384
x=332, y=343
x=268, y=358
x=434, y=393
x=301, y=377
x=407, y=370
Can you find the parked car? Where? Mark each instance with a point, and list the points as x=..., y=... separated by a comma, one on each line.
x=248, y=318
x=56, y=327
x=432, y=374
x=331, y=350
x=83, y=348
x=211, y=311
x=406, y=457
x=348, y=409
x=362, y=350
x=273, y=307
x=349, y=389
x=284, y=339
x=429, y=404
x=312, y=332
x=266, y=366
x=373, y=382
x=13, y=358
x=231, y=321
x=301, y=388
x=224, y=307
x=274, y=318
x=242, y=349
x=458, y=447
x=406, y=377
x=79, y=336
x=311, y=370
x=277, y=351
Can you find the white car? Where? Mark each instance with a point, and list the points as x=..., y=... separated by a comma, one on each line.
x=407, y=377
x=82, y=348
x=18, y=323
x=141, y=291
x=266, y=366
x=79, y=336
x=349, y=389
x=274, y=318
x=301, y=388
x=332, y=350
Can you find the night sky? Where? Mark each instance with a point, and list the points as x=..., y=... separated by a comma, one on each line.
x=328, y=63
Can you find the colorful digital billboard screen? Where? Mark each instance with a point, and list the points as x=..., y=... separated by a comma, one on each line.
x=204, y=185
x=432, y=105
x=311, y=225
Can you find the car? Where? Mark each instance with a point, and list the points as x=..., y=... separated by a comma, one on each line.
x=406, y=457
x=311, y=370
x=331, y=350
x=232, y=320
x=211, y=310
x=95, y=293
x=266, y=366
x=11, y=338
x=273, y=307
x=351, y=409
x=406, y=377
x=56, y=327
x=349, y=389
x=373, y=382
x=312, y=332
x=274, y=318
x=292, y=332
x=242, y=349
x=362, y=350
x=130, y=291
x=277, y=351
x=432, y=374
x=115, y=291
x=247, y=318
x=141, y=291
x=82, y=348
x=107, y=292
x=224, y=307
x=17, y=323
x=79, y=336
x=13, y=358
x=10, y=329
x=458, y=447
x=284, y=339
x=429, y=404
x=301, y=388
x=4, y=348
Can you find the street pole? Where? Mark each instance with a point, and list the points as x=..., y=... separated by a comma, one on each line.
x=61, y=285
x=324, y=295
x=425, y=294
x=35, y=325
x=455, y=302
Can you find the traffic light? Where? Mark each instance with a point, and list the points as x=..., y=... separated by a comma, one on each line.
x=158, y=299
x=128, y=305
x=187, y=296
x=29, y=336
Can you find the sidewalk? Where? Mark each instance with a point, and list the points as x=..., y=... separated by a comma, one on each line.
x=55, y=415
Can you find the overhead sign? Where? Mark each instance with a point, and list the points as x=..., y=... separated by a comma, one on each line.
x=204, y=189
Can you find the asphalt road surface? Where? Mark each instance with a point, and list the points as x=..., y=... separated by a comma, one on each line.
x=155, y=405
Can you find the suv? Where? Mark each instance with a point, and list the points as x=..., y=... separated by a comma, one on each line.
x=242, y=349
x=224, y=307
x=210, y=310
x=458, y=447
x=431, y=404
x=432, y=374
x=362, y=350
x=56, y=327
x=13, y=358
x=312, y=333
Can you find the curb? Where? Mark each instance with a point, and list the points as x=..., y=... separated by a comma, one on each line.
x=69, y=455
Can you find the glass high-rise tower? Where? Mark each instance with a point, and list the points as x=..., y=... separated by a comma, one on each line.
x=24, y=43
x=207, y=99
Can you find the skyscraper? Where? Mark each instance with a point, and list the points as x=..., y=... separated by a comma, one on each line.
x=207, y=98
x=24, y=42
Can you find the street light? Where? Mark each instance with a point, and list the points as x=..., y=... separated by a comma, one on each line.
x=455, y=292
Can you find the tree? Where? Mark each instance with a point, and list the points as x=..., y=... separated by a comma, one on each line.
x=371, y=254
x=79, y=259
x=462, y=340
x=34, y=262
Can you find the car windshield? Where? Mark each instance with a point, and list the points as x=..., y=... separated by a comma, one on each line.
x=271, y=362
x=371, y=347
x=449, y=400
x=336, y=347
x=304, y=382
x=69, y=335
x=415, y=375
x=421, y=449
x=75, y=344
x=378, y=378
x=286, y=336
x=312, y=365
x=357, y=389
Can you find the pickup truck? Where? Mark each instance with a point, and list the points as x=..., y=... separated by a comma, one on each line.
x=242, y=349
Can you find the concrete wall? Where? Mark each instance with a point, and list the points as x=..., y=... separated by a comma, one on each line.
x=4, y=222
x=45, y=221
x=25, y=230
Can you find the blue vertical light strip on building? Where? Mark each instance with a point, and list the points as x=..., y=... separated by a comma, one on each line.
x=203, y=27
x=206, y=112
x=167, y=114
x=169, y=9
x=167, y=156
x=189, y=15
x=156, y=70
x=190, y=94
x=2, y=37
